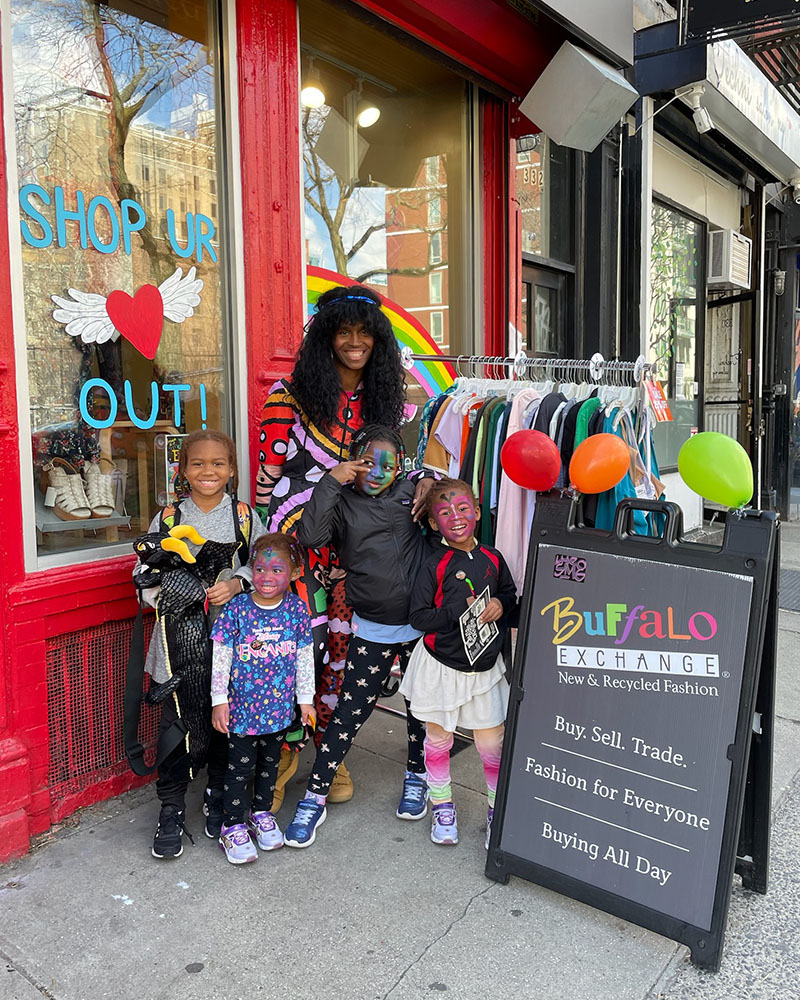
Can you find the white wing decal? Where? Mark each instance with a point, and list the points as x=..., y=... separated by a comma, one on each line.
x=85, y=316
x=181, y=294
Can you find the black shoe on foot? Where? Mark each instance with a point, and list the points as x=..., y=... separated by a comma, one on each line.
x=167, y=842
x=214, y=813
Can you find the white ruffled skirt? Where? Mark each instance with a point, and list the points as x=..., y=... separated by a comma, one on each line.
x=453, y=698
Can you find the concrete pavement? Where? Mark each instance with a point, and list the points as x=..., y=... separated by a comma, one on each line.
x=373, y=910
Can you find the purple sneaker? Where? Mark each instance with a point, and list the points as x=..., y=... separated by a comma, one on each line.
x=236, y=843
x=263, y=827
x=443, y=824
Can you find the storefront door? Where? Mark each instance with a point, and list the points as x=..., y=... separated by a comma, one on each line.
x=544, y=306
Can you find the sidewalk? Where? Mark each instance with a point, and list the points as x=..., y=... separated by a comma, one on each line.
x=373, y=909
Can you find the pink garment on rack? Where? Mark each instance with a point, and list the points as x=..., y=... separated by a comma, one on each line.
x=515, y=504
x=448, y=434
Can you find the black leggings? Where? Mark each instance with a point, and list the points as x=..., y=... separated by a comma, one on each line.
x=248, y=756
x=368, y=665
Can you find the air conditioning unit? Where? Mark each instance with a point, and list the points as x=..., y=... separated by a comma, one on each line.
x=729, y=258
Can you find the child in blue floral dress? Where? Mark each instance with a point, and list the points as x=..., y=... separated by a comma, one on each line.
x=263, y=663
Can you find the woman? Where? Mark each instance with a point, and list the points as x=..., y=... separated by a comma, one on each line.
x=347, y=373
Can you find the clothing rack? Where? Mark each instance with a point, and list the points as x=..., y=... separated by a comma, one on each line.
x=596, y=367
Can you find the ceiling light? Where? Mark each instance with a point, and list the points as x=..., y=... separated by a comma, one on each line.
x=312, y=95
x=367, y=114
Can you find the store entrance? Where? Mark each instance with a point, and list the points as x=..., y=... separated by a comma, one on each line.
x=543, y=315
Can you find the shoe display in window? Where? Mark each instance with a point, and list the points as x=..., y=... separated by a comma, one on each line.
x=99, y=491
x=68, y=500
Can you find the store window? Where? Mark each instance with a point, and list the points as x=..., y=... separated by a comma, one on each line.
x=387, y=182
x=116, y=108
x=545, y=194
x=677, y=314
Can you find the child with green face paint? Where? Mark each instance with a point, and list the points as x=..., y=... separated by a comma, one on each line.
x=364, y=508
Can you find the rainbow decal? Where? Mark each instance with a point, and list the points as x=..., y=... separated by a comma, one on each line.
x=433, y=376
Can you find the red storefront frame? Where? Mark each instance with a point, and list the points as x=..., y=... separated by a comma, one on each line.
x=38, y=607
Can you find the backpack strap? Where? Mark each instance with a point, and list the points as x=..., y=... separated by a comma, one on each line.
x=170, y=516
x=243, y=528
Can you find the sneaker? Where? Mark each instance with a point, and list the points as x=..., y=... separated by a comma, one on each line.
x=302, y=831
x=263, y=827
x=236, y=843
x=168, y=842
x=213, y=811
x=341, y=789
x=443, y=824
x=414, y=800
x=489, y=818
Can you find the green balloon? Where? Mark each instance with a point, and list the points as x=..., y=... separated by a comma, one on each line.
x=718, y=468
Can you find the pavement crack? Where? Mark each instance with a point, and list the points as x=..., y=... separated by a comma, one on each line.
x=437, y=939
x=21, y=971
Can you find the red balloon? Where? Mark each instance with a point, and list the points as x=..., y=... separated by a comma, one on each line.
x=599, y=463
x=531, y=459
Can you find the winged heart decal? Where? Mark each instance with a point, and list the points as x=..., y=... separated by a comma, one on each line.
x=139, y=318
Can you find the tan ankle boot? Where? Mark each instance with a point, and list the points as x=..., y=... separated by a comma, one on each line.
x=341, y=789
x=286, y=770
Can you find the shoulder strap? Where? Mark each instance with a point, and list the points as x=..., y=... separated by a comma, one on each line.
x=170, y=738
x=170, y=516
x=242, y=526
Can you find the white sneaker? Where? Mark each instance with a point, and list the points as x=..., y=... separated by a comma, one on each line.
x=236, y=843
x=444, y=829
x=263, y=827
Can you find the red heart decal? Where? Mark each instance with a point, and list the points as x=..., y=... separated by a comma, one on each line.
x=140, y=319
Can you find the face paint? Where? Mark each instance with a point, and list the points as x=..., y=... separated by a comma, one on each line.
x=455, y=517
x=272, y=575
x=380, y=468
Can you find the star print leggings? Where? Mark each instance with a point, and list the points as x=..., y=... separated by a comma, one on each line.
x=367, y=667
x=251, y=757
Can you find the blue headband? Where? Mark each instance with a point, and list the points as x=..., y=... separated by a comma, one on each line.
x=350, y=298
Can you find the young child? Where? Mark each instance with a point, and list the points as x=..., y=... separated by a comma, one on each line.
x=377, y=541
x=206, y=468
x=444, y=688
x=263, y=660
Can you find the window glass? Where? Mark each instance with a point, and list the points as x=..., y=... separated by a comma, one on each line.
x=676, y=275
x=545, y=195
x=387, y=198
x=116, y=123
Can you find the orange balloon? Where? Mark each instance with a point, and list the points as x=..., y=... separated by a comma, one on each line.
x=599, y=463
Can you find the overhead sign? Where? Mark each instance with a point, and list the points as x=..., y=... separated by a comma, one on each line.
x=705, y=18
x=606, y=26
x=626, y=752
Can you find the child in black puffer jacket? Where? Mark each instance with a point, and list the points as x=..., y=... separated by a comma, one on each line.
x=365, y=508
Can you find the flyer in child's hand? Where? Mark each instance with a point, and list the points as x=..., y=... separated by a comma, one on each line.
x=477, y=636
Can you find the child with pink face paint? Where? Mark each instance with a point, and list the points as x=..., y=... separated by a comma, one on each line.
x=444, y=688
x=263, y=662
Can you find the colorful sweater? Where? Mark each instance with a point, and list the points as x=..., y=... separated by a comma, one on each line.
x=298, y=452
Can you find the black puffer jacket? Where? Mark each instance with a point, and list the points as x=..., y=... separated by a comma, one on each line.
x=376, y=541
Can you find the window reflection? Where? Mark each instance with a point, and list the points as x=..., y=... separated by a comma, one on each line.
x=387, y=204
x=116, y=134
x=676, y=275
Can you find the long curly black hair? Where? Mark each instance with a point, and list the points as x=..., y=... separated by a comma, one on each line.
x=315, y=381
